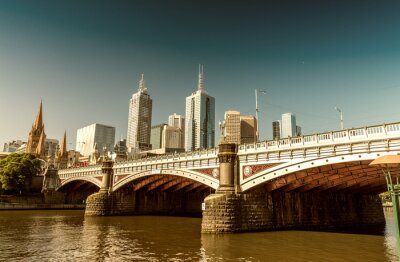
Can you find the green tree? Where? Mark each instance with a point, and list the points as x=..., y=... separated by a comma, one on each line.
x=17, y=170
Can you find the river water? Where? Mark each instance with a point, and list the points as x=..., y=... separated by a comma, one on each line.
x=69, y=236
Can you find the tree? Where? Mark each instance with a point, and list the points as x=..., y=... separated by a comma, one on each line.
x=17, y=170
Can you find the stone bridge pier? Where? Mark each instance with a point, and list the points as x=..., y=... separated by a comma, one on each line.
x=229, y=210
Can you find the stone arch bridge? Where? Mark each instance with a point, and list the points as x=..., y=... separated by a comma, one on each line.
x=333, y=161
x=324, y=164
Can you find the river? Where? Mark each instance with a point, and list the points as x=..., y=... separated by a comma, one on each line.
x=69, y=236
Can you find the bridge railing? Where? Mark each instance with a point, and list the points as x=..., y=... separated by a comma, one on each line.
x=349, y=135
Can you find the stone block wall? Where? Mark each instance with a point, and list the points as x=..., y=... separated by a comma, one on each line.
x=141, y=202
x=229, y=213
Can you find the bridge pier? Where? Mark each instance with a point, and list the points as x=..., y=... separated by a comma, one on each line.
x=101, y=203
x=230, y=211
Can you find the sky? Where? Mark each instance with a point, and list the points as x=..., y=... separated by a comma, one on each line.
x=84, y=59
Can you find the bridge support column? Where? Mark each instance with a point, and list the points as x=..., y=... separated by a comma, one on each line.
x=223, y=211
x=101, y=203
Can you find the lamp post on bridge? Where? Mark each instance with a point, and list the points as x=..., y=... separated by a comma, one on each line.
x=257, y=131
x=341, y=116
x=388, y=165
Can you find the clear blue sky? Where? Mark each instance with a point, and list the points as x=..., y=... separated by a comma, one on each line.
x=84, y=59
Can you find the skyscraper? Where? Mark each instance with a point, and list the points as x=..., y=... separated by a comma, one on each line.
x=288, y=128
x=276, y=129
x=172, y=138
x=248, y=127
x=139, y=120
x=178, y=121
x=232, y=127
x=239, y=129
x=94, y=138
x=200, y=118
x=156, y=136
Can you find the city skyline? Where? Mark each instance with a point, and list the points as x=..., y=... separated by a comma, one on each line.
x=305, y=59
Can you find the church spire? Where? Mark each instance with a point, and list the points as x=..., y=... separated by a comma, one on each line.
x=200, y=84
x=62, y=155
x=39, y=118
x=63, y=147
x=142, y=86
x=40, y=149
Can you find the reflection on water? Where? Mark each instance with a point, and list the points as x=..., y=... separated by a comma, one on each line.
x=68, y=235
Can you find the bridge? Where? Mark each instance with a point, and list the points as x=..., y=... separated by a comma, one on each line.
x=334, y=161
x=334, y=164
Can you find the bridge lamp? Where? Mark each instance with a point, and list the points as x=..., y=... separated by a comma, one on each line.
x=387, y=164
x=262, y=92
x=341, y=116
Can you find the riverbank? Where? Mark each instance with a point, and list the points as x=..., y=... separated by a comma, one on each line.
x=19, y=206
x=36, y=202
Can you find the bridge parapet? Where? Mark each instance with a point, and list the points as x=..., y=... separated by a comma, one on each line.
x=385, y=131
x=94, y=170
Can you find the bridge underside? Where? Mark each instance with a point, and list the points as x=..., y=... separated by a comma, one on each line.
x=349, y=178
x=152, y=195
x=77, y=191
x=167, y=183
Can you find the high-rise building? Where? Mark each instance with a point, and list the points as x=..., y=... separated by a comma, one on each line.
x=200, y=118
x=172, y=138
x=248, y=129
x=232, y=127
x=95, y=137
x=178, y=121
x=156, y=136
x=120, y=147
x=288, y=127
x=239, y=129
x=37, y=137
x=139, y=120
x=276, y=129
x=298, y=130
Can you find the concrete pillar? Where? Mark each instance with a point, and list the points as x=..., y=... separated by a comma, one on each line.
x=227, y=160
x=108, y=175
x=101, y=203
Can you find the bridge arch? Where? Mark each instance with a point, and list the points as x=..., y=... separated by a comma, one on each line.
x=91, y=180
x=343, y=172
x=188, y=174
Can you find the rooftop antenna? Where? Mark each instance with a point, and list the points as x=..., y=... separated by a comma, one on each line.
x=201, y=78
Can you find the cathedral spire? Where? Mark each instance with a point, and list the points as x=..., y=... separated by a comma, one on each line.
x=62, y=155
x=63, y=147
x=142, y=86
x=40, y=149
x=39, y=118
x=200, y=84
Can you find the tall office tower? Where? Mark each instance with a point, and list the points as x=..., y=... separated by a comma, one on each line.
x=120, y=147
x=276, y=129
x=288, y=128
x=172, y=138
x=178, y=121
x=232, y=127
x=156, y=136
x=95, y=137
x=298, y=131
x=139, y=120
x=200, y=118
x=248, y=128
x=37, y=137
